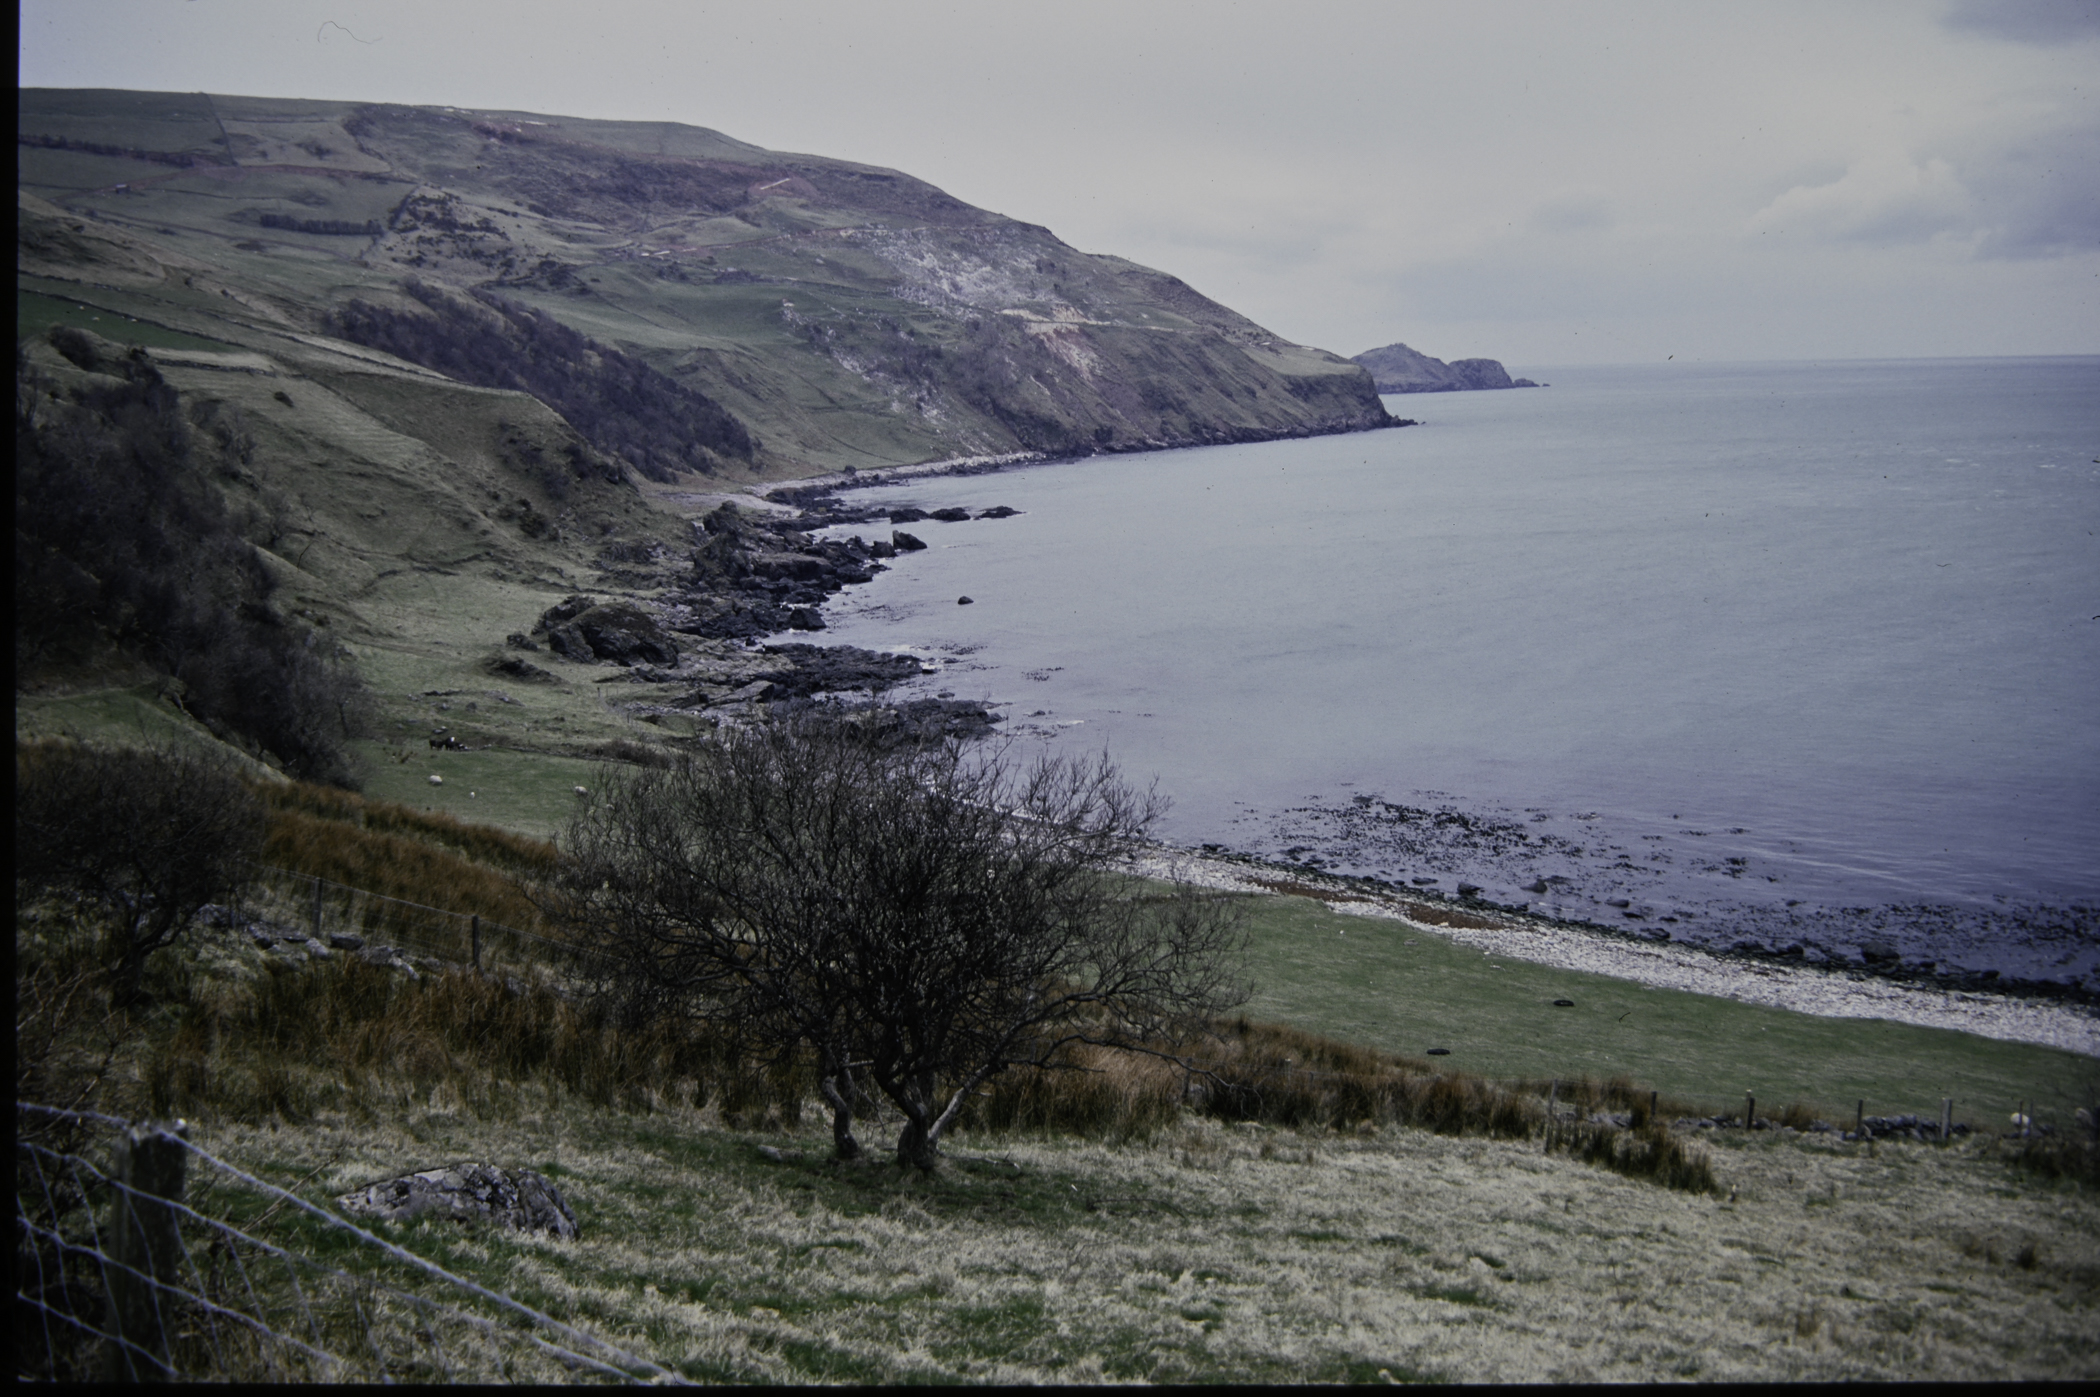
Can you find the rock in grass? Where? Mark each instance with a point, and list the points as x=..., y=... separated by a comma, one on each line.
x=520, y=1200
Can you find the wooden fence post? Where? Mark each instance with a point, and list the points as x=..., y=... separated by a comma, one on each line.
x=1946, y=1117
x=477, y=941
x=317, y=907
x=1859, y=1121
x=1651, y=1106
x=146, y=1251
x=1749, y=1110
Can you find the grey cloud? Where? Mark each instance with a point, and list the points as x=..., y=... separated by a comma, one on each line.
x=2011, y=195
x=2040, y=197
x=1572, y=213
x=2028, y=21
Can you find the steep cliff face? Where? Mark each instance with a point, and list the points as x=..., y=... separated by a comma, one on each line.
x=841, y=315
x=1398, y=369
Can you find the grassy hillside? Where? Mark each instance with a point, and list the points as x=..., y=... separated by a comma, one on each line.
x=846, y=315
x=1168, y=1245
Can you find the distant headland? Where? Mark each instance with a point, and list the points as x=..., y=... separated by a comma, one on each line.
x=1398, y=369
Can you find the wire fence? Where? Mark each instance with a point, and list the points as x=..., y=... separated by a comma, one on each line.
x=120, y=1278
x=339, y=915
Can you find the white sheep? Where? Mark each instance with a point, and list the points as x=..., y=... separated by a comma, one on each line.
x=437, y=780
x=582, y=791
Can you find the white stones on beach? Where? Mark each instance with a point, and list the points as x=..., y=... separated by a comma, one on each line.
x=1675, y=966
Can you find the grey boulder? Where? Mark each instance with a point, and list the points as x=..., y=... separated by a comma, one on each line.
x=519, y=1200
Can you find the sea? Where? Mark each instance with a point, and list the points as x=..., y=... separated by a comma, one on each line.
x=1800, y=655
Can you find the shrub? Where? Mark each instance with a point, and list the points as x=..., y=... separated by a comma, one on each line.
x=151, y=837
x=921, y=919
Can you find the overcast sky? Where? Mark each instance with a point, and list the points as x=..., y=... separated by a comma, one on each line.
x=1543, y=183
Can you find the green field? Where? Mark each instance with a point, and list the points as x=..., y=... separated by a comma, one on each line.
x=530, y=793
x=36, y=313
x=1389, y=985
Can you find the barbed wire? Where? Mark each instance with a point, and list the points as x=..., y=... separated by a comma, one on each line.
x=486, y=922
x=194, y=1315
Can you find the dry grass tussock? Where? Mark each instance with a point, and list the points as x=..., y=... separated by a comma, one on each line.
x=1648, y=1152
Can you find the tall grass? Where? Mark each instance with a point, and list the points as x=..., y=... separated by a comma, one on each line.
x=297, y=1039
x=1647, y=1152
x=351, y=1036
x=1587, y=1096
x=481, y=843
x=423, y=857
x=1246, y=1071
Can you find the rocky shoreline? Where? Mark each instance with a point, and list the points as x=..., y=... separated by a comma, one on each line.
x=710, y=645
x=2042, y=1012
x=757, y=571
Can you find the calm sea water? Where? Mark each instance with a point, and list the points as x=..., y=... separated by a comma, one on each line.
x=1793, y=652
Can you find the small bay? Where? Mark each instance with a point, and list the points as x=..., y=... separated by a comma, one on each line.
x=1804, y=653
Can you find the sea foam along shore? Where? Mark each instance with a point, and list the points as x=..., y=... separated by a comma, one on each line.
x=1829, y=994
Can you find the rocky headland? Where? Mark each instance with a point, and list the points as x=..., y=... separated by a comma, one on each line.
x=1398, y=369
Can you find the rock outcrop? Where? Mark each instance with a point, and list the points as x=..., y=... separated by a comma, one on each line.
x=1398, y=369
x=617, y=631
x=520, y=1200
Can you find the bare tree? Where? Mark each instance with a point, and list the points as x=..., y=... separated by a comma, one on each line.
x=922, y=919
x=152, y=835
